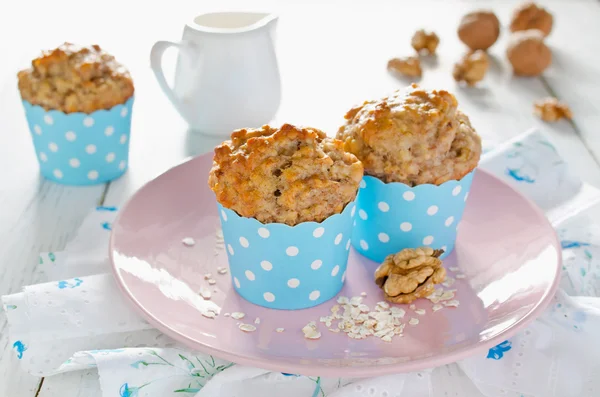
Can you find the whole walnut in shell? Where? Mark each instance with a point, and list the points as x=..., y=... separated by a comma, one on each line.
x=531, y=16
x=479, y=30
x=410, y=274
x=528, y=53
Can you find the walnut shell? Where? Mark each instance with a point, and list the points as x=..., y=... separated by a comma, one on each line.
x=531, y=16
x=528, y=53
x=410, y=274
x=479, y=30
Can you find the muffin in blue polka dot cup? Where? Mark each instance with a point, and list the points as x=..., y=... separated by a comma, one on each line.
x=286, y=204
x=78, y=104
x=420, y=154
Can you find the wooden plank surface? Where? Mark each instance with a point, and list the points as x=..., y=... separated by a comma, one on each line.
x=331, y=57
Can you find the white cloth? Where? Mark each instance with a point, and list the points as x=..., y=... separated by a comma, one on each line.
x=77, y=323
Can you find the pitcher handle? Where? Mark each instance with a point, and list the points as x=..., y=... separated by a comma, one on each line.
x=156, y=56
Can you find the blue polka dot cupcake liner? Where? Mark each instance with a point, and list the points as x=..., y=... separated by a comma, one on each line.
x=80, y=148
x=287, y=267
x=394, y=216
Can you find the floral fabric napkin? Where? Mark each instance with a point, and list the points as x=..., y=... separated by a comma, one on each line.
x=80, y=320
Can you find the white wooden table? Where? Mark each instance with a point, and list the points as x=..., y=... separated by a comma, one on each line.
x=332, y=55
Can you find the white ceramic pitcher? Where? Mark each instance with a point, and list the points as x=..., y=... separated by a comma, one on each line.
x=227, y=75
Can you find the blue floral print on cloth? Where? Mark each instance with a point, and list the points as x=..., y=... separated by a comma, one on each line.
x=74, y=283
x=19, y=348
x=497, y=352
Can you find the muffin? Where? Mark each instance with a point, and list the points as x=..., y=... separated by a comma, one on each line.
x=75, y=79
x=285, y=198
x=284, y=175
x=419, y=152
x=78, y=103
x=417, y=138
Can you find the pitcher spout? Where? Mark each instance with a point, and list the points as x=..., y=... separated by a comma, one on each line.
x=234, y=22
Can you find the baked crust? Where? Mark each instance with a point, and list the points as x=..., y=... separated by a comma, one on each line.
x=284, y=175
x=417, y=138
x=71, y=79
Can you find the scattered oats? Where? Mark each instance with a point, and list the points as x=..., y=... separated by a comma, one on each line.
x=454, y=268
x=212, y=281
x=280, y=330
x=222, y=270
x=237, y=315
x=437, y=307
x=219, y=234
x=188, y=241
x=335, y=309
x=412, y=307
x=342, y=300
x=459, y=276
x=397, y=312
x=413, y=321
x=356, y=300
x=420, y=312
x=334, y=330
x=449, y=282
x=207, y=276
x=257, y=321
x=247, y=327
x=226, y=314
x=205, y=293
x=209, y=314
x=363, y=294
x=363, y=308
x=447, y=295
x=382, y=306
x=310, y=331
x=386, y=338
x=399, y=329
x=452, y=303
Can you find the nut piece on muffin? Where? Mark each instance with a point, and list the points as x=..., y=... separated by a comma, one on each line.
x=284, y=175
x=417, y=138
x=71, y=79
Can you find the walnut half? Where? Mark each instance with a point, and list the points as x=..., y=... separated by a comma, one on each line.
x=410, y=274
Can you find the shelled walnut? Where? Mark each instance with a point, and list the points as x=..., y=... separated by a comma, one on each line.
x=528, y=53
x=410, y=274
x=479, y=30
x=425, y=42
x=409, y=66
x=531, y=16
x=471, y=68
x=551, y=109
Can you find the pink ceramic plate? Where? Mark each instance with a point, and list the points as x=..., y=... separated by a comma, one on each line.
x=506, y=248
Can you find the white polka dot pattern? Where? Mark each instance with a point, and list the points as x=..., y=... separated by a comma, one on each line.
x=318, y=232
x=394, y=216
x=266, y=265
x=284, y=267
x=70, y=136
x=383, y=206
x=263, y=232
x=269, y=297
x=292, y=251
x=68, y=140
